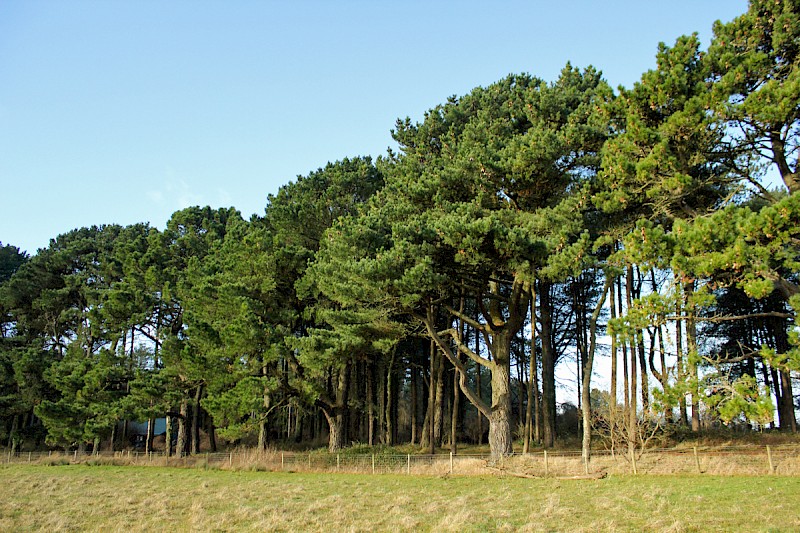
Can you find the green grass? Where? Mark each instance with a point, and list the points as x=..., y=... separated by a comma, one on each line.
x=108, y=498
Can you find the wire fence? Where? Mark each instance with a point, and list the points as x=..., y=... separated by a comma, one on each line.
x=729, y=460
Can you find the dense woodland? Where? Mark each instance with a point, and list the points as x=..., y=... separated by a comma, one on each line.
x=428, y=296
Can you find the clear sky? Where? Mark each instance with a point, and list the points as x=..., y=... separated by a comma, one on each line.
x=126, y=111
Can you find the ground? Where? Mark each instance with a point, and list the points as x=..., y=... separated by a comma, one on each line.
x=126, y=498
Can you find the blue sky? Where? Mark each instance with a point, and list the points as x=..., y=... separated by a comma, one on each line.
x=124, y=112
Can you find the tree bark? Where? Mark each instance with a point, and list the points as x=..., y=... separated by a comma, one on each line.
x=587, y=375
x=168, y=436
x=335, y=412
x=148, y=443
x=195, y=441
x=612, y=389
x=632, y=421
x=180, y=448
x=454, y=414
x=548, y=368
x=414, y=406
x=500, y=438
x=532, y=372
x=691, y=334
x=389, y=411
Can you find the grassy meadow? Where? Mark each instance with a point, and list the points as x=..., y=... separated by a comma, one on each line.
x=125, y=498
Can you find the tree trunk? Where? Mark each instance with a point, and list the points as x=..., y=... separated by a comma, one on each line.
x=168, y=436
x=195, y=444
x=612, y=389
x=336, y=438
x=454, y=414
x=388, y=412
x=212, y=436
x=438, y=410
x=532, y=371
x=548, y=368
x=632, y=421
x=148, y=441
x=681, y=364
x=691, y=334
x=414, y=406
x=479, y=387
x=587, y=375
x=500, y=439
x=432, y=401
x=788, y=421
x=370, y=371
x=336, y=414
x=180, y=448
x=13, y=435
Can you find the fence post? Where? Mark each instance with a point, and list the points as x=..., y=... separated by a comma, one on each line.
x=546, y=467
x=373, y=463
x=769, y=458
x=696, y=460
x=451, y=462
x=337, y=462
x=281, y=460
x=29, y=457
x=76, y=455
x=408, y=464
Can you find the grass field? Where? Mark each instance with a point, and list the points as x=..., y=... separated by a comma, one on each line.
x=109, y=498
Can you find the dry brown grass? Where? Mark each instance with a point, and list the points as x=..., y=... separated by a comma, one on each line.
x=129, y=498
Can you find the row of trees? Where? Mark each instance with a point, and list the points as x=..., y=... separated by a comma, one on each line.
x=438, y=287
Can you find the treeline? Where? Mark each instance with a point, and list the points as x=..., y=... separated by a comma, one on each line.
x=428, y=296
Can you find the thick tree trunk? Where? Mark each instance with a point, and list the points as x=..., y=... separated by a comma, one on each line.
x=212, y=436
x=788, y=420
x=148, y=441
x=336, y=414
x=336, y=438
x=500, y=439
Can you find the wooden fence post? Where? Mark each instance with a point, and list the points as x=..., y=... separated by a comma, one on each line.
x=546, y=467
x=696, y=460
x=769, y=459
